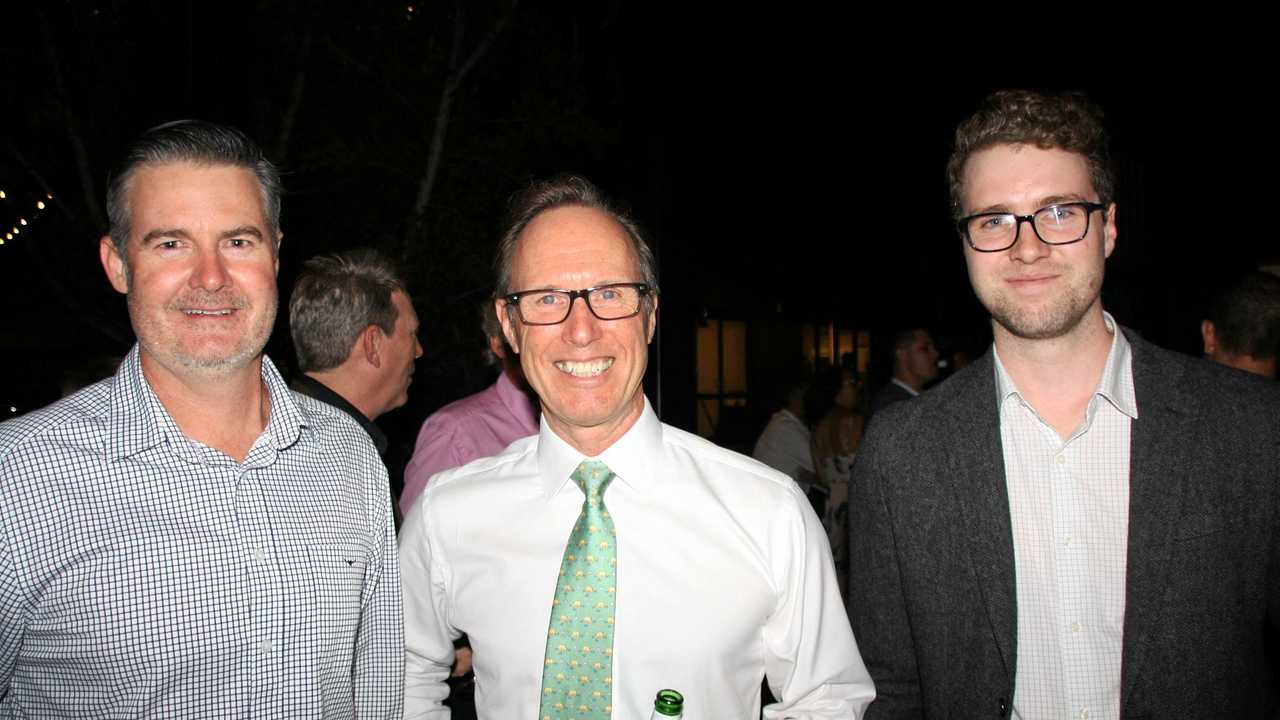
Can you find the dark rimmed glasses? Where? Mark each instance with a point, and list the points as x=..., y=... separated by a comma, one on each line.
x=615, y=301
x=1057, y=224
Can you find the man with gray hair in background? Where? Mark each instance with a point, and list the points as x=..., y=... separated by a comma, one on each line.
x=355, y=333
x=189, y=538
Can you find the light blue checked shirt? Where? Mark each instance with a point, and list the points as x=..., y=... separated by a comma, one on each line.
x=144, y=574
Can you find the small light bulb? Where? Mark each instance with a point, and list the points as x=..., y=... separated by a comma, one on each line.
x=22, y=221
x=39, y=204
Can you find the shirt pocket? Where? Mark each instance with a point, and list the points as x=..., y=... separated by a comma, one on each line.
x=338, y=571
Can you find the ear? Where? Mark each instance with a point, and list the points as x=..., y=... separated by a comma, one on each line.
x=113, y=264
x=279, y=242
x=1209, y=334
x=508, y=325
x=498, y=347
x=369, y=344
x=1109, y=230
x=651, y=318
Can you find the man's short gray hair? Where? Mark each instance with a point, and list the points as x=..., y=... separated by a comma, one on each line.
x=335, y=299
x=564, y=191
x=193, y=141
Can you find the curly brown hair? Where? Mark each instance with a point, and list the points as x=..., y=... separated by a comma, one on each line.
x=1068, y=121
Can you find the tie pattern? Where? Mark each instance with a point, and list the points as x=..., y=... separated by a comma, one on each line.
x=577, y=674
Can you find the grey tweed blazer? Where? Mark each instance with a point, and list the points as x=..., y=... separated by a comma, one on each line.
x=931, y=587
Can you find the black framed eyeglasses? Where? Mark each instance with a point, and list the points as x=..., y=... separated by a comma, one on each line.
x=1057, y=224
x=615, y=301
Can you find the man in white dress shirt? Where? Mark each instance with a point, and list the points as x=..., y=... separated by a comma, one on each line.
x=712, y=569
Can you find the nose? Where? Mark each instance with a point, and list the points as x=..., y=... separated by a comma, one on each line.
x=210, y=270
x=581, y=328
x=417, y=348
x=1027, y=247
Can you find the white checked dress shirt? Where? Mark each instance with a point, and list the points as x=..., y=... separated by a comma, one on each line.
x=143, y=574
x=1069, y=505
x=724, y=575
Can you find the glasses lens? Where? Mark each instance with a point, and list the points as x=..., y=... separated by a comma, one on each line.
x=544, y=306
x=612, y=303
x=1062, y=223
x=995, y=231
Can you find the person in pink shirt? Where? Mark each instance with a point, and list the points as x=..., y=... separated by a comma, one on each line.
x=476, y=426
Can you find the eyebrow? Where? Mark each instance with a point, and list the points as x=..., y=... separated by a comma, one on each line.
x=1043, y=203
x=181, y=234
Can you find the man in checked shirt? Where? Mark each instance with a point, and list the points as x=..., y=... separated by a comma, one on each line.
x=189, y=538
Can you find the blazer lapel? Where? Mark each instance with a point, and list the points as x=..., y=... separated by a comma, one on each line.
x=1157, y=462
x=977, y=470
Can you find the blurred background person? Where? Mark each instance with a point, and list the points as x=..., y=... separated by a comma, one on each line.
x=1243, y=327
x=835, y=441
x=915, y=364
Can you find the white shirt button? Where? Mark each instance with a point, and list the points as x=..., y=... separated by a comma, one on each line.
x=1075, y=627
x=1084, y=713
x=1068, y=541
x=259, y=554
x=264, y=647
x=1061, y=459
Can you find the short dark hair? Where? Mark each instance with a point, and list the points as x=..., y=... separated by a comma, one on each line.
x=563, y=191
x=902, y=339
x=193, y=141
x=1067, y=121
x=1246, y=316
x=335, y=299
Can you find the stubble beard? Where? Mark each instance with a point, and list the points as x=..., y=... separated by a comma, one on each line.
x=162, y=341
x=1054, y=320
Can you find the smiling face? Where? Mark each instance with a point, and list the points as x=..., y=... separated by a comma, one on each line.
x=586, y=371
x=201, y=276
x=1034, y=290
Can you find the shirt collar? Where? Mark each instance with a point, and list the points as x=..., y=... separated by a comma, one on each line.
x=1115, y=386
x=317, y=390
x=904, y=386
x=631, y=457
x=139, y=421
x=517, y=402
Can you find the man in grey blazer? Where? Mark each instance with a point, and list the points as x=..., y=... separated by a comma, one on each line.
x=1080, y=524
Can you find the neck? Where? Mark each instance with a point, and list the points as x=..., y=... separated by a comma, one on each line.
x=226, y=410
x=592, y=441
x=351, y=389
x=1058, y=376
x=907, y=379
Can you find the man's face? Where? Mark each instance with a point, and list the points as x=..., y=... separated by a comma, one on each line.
x=586, y=371
x=920, y=358
x=201, y=279
x=1034, y=290
x=401, y=349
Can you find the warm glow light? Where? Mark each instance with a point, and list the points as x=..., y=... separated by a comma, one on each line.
x=16, y=231
x=22, y=221
x=49, y=195
x=39, y=204
x=2, y=195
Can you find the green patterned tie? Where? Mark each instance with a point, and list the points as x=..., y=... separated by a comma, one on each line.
x=577, y=675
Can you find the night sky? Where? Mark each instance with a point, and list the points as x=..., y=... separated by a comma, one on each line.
x=790, y=162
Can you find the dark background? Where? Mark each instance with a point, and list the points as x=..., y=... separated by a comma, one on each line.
x=787, y=165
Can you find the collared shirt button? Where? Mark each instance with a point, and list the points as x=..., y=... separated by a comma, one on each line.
x=1061, y=459
x=1075, y=627
x=1084, y=713
x=264, y=647
x=259, y=554
x=1068, y=540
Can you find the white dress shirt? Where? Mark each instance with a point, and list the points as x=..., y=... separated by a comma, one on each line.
x=1069, y=505
x=724, y=575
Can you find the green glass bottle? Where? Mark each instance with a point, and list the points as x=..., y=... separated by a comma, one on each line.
x=669, y=705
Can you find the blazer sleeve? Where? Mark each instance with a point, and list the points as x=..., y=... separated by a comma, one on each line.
x=876, y=604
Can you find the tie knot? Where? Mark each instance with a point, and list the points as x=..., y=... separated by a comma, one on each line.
x=592, y=476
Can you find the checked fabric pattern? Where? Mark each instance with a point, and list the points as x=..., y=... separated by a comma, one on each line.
x=577, y=675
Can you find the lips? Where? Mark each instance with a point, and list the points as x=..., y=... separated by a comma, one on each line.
x=584, y=368
x=208, y=305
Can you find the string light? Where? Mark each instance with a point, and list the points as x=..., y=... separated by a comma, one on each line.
x=39, y=204
x=23, y=221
